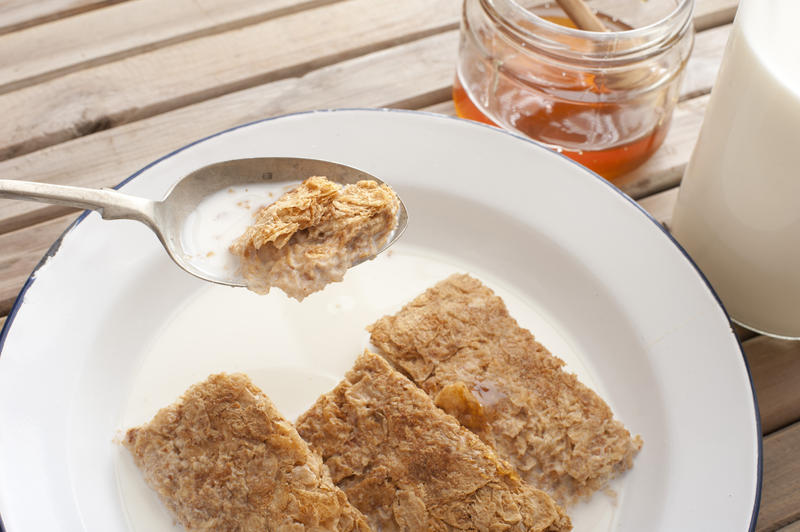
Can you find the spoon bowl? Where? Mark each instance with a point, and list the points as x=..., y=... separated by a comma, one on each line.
x=167, y=218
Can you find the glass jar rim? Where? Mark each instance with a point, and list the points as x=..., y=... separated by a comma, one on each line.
x=614, y=45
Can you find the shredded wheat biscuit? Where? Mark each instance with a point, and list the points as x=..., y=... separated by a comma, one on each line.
x=312, y=234
x=409, y=466
x=222, y=458
x=458, y=342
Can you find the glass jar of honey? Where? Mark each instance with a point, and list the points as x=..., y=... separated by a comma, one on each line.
x=604, y=99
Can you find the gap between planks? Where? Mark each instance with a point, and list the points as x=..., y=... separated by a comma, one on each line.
x=16, y=15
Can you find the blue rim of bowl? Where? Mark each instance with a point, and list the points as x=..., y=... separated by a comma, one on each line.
x=57, y=244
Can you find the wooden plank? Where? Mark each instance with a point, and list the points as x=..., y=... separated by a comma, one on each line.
x=46, y=51
x=22, y=251
x=714, y=13
x=780, y=498
x=704, y=63
x=153, y=82
x=18, y=14
x=775, y=367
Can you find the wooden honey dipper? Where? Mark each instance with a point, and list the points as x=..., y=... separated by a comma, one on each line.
x=581, y=15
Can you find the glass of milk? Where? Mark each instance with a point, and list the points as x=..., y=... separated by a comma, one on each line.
x=738, y=209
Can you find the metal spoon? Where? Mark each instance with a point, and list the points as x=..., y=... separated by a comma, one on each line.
x=167, y=217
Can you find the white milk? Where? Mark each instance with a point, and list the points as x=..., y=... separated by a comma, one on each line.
x=220, y=219
x=738, y=212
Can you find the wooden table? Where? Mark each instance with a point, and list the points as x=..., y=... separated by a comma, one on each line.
x=92, y=90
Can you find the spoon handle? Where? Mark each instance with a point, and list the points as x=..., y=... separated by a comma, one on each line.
x=111, y=204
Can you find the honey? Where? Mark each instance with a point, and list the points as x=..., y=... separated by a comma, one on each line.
x=541, y=124
x=604, y=100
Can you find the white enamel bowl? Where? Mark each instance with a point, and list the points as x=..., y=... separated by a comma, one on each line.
x=108, y=329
